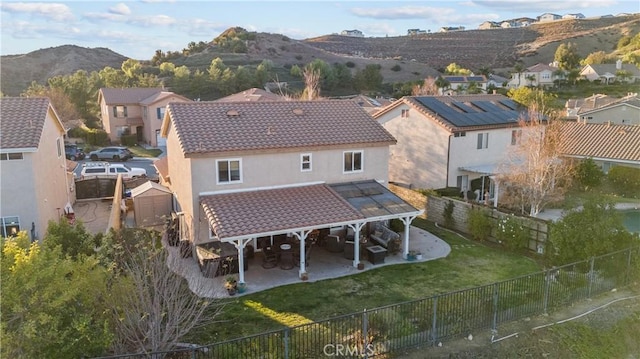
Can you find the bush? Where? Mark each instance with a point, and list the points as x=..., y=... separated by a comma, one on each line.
x=449, y=192
x=448, y=214
x=129, y=140
x=512, y=233
x=396, y=68
x=96, y=137
x=478, y=224
x=588, y=174
x=626, y=180
x=350, y=64
x=77, y=132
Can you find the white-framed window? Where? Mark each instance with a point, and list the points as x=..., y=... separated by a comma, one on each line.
x=229, y=171
x=305, y=162
x=483, y=140
x=120, y=111
x=11, y=156
x=10, y=226
x=58, y=143
x=460, y=134
x=352, y=161
x=515, y=137
x=404, y=113
x=121, y=130
x=160, y=113
x=546, y=76
x=462, y=182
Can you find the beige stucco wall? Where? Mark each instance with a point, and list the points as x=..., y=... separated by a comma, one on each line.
x=152, y=123
x=618, y=115
x=111, y=123
x=179, y=182
x=35, y=188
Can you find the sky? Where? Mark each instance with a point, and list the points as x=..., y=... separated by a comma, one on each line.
x=137, y=29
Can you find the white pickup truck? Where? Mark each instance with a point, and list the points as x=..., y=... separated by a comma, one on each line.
x=106, y=169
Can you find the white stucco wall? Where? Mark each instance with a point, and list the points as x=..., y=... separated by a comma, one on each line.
x=617, y=115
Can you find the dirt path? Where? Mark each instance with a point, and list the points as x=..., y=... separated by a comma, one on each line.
x=533, y=337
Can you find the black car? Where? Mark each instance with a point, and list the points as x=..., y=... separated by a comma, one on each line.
x=73, y=152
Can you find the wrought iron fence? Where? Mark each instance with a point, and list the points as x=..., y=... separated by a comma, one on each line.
x=427, y=321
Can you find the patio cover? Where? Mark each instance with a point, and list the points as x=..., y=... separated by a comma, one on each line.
x=257, y=213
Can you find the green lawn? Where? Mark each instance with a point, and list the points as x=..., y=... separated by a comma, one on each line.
x=143, y=152
x=469, y=264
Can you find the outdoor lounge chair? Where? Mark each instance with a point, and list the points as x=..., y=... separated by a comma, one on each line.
x=270, y=259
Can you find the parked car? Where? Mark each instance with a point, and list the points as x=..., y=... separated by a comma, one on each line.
x=105, y=169
x=73, y=152
x=111, y=154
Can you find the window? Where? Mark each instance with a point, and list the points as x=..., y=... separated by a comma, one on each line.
x=460, y=134
x=404, y=114
x=119, y=111
x=305, y=162
x=462, y=182
x=122, y=130
x=10, y=226
x=483, y=140
x=545, y=76
x=59, y=147
x=353, y=161
x=515, y=137
x=10, y=156
x=160, y=113
x=229, y=171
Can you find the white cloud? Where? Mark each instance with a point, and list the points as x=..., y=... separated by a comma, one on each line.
x=103, y=16
x=51, y=11
x=378, y=29
x=155, y=20
x=403, y=12
x=120, y=9
x=200, y=27
x=544, y=5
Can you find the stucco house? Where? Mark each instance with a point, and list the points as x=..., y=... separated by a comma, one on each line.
x=624, y=111
x=539, y=75
x=243, y=173
x=575, y=106
x=253, y=94
x=459, y=84
x=352, y=33
x=575, y=16
x=609, y=73
x=36, y=185
x=547, y=16
x=450, y=141
x=607, y=145
x=135, y=110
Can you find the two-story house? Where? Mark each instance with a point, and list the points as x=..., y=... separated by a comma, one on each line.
x=36, y=186
x=460, y=84
x=539, y=75
x=243, y=171
x=450, y=141
x=547, y=16
x=609, y=73
x=138, y=111
x=624, y=111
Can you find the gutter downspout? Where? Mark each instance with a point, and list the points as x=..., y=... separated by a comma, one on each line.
x=446, y=184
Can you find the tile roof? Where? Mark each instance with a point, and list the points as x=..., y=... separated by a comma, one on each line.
x=616, y=142
x=253, y=94
x=162, y=165
x=133, y=95
x=464, y=112
x=206, y=127
x=541, y=67
x=262, y=211
x=602, y=69
x=160, y=96
x=22, y=121
x=632, y=100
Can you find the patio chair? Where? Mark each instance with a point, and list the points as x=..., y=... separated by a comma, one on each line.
x=270, y=259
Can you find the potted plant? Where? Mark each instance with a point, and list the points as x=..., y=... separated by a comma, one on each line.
x=231, y=284
x=411, y=256
x=241, y=287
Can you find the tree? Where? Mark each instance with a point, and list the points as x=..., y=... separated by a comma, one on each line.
x=264, y=72
x=528, y=97
x=131, y=69
x=588, y=174
x=428, y=88
x=517, y=70
x=113, y=78
x=73, y=239
x=534, y=174
x=65, y=109
x=167, y=68
x=442, y=83
x=52, y=305
x=567, y=56
x=154, y=306
x=455, y=69
x=593, y=230
x=598, y=57
x=369, y=78
x=311, y=84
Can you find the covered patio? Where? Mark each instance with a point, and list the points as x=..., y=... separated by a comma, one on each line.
x=323, y=265
x=303, y=218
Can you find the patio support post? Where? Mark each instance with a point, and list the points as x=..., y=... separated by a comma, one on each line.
x=496, y=190
x=240, y=244
x=302, y=236
x=405, y=245
x=356, y=242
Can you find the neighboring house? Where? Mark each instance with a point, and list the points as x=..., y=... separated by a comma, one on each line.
x=448, y=141
x=370, y=104
x=624, y=111
x=459, y=84
x=489, y=25
x=574, y=107
x=549, y=17
x=414, y=32
x=539, y=75
x=497, y=81
x=609, y=73
x=247, y=172
x=253, y=94
x=136, y=111
x=36, y=185
x=573, y=16
x=608, y=145
x=353, y=33
x=451, y=28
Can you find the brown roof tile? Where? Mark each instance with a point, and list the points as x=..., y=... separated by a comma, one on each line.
x=252, y=94
x=22, y=121
x=205, y=127
x=621, y=142
x=133, y=95
x=263, y=211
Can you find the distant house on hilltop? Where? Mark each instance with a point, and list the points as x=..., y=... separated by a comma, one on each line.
x=549, y=17
x=352, y=33
x=573, y=16
x=414, y=32
x=489, y=25
x=449, y=28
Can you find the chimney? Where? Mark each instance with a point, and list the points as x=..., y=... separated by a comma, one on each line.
x=619, y=64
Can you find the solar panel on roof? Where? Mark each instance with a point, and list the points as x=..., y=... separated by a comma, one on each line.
x=455, y=78
x=475, y=78
x=510, y=104
x=463, y=107
x=486, y=106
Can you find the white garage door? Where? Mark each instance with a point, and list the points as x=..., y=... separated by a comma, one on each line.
x=160, y=141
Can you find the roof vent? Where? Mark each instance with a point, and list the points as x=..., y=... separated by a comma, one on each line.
x=270, y=130
x=233, y=113
x=298, y=111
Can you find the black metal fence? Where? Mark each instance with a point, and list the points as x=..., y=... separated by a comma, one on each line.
x=427, y=321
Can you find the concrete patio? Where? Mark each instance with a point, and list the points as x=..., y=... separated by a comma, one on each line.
x=321, y=265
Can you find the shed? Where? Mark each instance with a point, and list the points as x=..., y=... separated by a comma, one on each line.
x=152, y=204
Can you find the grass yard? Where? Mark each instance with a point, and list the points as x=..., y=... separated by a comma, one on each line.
x=139, y=151
x=469, y=264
